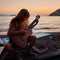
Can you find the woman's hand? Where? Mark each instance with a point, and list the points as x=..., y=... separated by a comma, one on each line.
x=22, y=32
x=27, y=34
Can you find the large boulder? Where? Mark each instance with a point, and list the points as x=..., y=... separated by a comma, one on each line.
x=55, y=13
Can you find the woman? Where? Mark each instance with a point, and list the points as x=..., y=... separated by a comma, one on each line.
x=19, y=36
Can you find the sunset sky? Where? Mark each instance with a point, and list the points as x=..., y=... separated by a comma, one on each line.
x=42, y=7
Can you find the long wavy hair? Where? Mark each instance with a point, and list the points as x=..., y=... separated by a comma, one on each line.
x=22, y=18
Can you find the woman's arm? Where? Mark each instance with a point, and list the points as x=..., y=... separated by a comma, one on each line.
x=21, y=41
x=10, y=33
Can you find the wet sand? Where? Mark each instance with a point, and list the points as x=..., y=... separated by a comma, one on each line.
x=52, y=43
x=1, y=48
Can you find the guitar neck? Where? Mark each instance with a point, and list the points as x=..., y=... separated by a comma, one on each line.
x=34, y=23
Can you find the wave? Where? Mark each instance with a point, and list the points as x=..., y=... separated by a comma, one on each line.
x=3, y=30
x=45, y=28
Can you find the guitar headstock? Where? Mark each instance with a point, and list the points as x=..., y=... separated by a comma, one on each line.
x=38, y=16
x=34, y=23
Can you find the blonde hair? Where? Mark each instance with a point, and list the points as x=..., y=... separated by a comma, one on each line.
x=22, y=18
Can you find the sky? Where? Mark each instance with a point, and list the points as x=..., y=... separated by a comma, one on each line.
x=42, y=7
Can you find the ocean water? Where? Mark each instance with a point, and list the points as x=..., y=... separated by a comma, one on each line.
x=45, y=24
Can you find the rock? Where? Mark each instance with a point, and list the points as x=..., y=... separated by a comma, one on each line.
x=55, y=13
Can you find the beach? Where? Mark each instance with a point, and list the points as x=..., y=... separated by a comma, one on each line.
x=48, y=47
x=52, y=42
x=47, y=26
x=1, y=48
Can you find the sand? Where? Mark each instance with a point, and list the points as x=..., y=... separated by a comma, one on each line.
x=53, y=43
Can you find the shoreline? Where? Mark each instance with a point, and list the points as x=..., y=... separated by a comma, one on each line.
x=54, y=43
x=53, y=46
